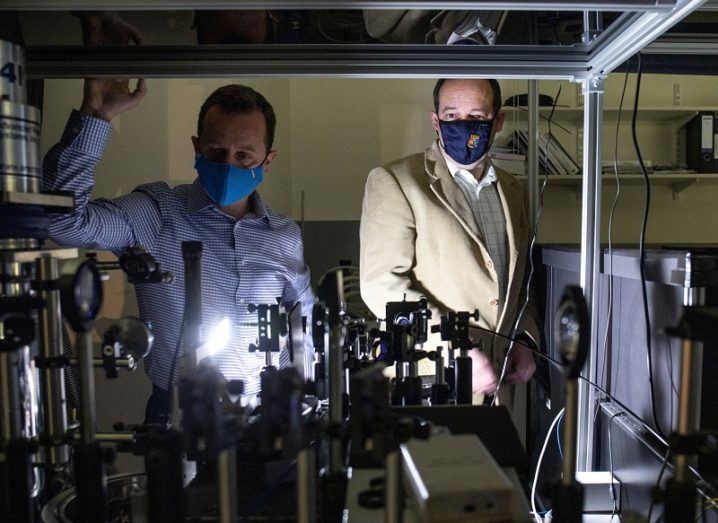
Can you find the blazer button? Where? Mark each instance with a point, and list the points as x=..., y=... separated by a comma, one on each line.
x=494, y=302
x=489, y=264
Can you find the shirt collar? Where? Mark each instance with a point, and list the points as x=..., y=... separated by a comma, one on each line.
x=198, y=200
x=488, y=178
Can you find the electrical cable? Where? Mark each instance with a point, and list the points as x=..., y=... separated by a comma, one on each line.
x=642, y=250
x=658, y=485
x=175, y=356
x=267, y=493
x=701, y=491
x=532, y=245
x=558, y=437
x=609, y=315
x=538, y=518
x=674, y=390
x=560, y=366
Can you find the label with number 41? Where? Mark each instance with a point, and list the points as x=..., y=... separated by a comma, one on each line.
x=12, y=73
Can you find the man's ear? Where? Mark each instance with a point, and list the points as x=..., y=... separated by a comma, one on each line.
x=195, y=144
x=434, y=120
x=270, y=158
x=499, y=121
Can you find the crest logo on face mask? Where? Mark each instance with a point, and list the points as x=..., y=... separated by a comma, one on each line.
x=473, y=142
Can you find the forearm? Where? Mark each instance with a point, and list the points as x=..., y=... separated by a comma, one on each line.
x=69, y=166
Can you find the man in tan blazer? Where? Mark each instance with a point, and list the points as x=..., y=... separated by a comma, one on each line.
x=448, y=225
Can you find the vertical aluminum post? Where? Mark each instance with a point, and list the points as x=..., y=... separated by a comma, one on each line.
x=532, y=162
x=590, y=259
x=307, y=485
x=227, y=485
x=87, y=387
x=694, y=297
x=53, y=378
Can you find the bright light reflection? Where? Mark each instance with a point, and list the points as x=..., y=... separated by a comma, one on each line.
x=216, y=340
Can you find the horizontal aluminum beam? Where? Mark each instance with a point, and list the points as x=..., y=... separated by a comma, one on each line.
x=634, y=36
x=684, y=45
x=368, y=60
x=522, y=5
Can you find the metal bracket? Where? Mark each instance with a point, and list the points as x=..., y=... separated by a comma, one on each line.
x=679, y=187
x=593, y=84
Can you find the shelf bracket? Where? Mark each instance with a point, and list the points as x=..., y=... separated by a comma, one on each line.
x=681, y=186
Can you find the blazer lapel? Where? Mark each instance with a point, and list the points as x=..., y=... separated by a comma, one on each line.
x=449, y=193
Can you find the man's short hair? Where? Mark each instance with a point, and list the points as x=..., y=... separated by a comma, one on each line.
x=495, y=87
x=240, y=99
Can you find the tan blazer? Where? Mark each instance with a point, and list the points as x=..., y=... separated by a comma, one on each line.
x=419, y=237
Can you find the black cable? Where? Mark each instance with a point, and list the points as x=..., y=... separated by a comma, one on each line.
x=609, y=316
x=175, y=356
x=532, y=245
x=268, y=492
x=658, y=485
x=560, y=366
x=642, y=250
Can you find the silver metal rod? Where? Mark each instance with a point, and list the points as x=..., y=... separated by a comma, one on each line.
x=695, y=296
x=11, y=397
x=111, y=437
x=227, y=485
x=570, y=433
x=268, y=358
x=392, y=499
x=306, y=485
x=590, y=258
x=336, y=389
x=52, y=382
x=522, y=5
x=532, y=181
x=88, y=418
x=121, y=363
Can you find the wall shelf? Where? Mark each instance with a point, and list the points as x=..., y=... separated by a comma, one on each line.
x=678, y=182
x=575, y=114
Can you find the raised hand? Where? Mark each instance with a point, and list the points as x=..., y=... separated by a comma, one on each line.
x=107, y=97
x=106, y=28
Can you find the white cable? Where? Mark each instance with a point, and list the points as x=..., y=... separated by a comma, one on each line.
x=538, y=518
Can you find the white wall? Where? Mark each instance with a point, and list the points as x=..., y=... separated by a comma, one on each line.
x=332, y=132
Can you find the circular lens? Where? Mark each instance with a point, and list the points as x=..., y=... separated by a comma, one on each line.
x=86, y=296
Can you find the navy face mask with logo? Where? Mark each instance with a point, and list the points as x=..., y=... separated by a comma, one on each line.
x=466, y=141
x=225, y=183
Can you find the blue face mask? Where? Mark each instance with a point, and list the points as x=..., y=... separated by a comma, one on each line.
x=227, y=184
x=466, y=141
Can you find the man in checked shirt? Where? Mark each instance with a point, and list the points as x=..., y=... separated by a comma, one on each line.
x=250, y=253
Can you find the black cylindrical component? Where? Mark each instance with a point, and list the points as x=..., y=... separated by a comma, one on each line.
x=412, y=390
x=16, y=482
x=568, y=503
x=462, y=369
x=164, y=479
x=439, y=394
x=680, y=504
x=320, y=383
x=90, y=477
x=192, y=256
